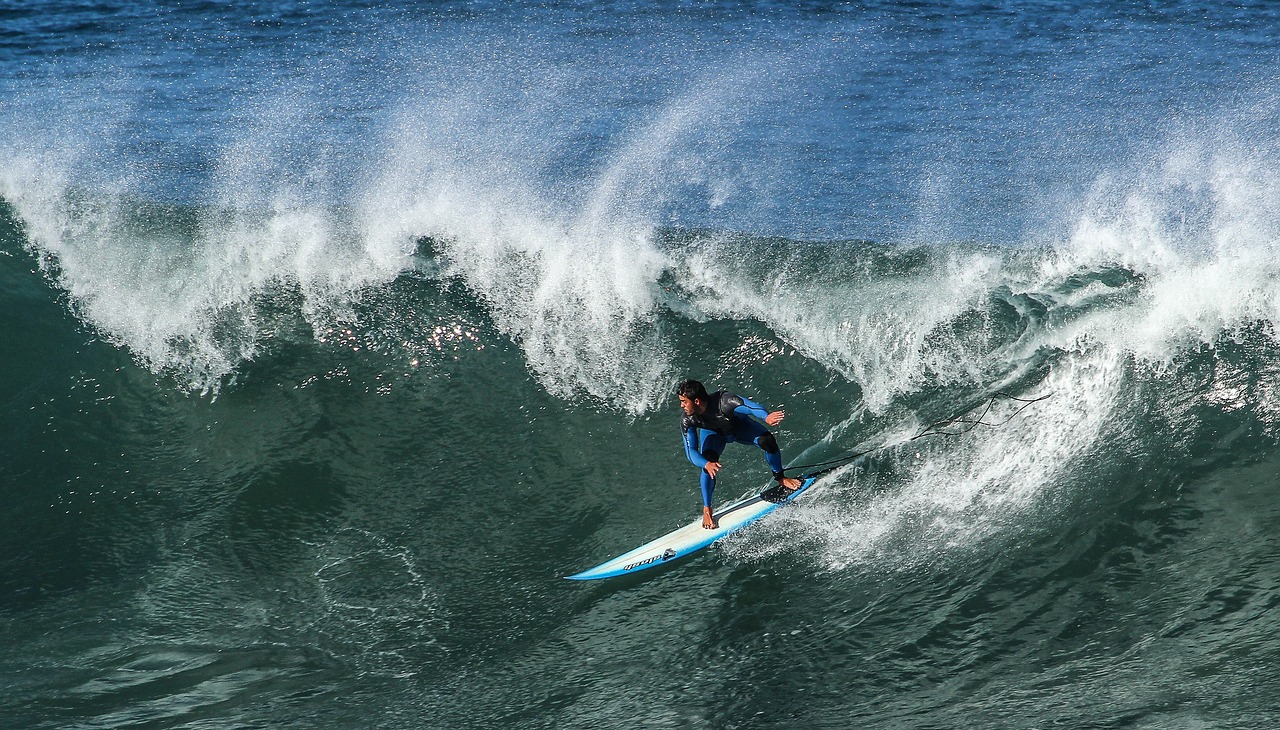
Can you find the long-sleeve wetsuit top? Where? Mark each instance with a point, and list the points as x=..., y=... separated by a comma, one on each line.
x=722, y=408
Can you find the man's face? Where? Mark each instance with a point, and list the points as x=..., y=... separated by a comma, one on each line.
x=690, y=407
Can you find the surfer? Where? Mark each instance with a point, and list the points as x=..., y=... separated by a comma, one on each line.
x=713, y=420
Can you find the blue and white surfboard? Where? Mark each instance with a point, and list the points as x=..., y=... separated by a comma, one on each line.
x=693, y=537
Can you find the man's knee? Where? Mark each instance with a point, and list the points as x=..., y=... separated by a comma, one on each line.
x=711, y=455
x=768, y=443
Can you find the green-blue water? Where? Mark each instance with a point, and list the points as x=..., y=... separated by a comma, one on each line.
x=336, y=334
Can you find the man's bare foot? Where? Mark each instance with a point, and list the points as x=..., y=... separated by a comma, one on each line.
x=790, y=484
x=708, y=519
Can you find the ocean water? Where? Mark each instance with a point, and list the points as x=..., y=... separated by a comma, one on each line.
x=335, y=334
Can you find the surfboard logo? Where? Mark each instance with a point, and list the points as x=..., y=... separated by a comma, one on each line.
x=638, y=563
x=665, y=556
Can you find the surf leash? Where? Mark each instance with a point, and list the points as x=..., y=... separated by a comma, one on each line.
x=934, y=429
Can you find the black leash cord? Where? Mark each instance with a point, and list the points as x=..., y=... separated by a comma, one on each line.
x=930, y=430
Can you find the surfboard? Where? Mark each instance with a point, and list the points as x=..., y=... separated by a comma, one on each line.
x=693, y=537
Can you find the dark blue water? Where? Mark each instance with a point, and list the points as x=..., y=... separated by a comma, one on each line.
x=337, y=333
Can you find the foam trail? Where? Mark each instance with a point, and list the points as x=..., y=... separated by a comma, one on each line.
x=931, y=498
x=1174, y=258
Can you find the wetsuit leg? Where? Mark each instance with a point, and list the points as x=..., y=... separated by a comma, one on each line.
x=710, y=445
x=748, y=431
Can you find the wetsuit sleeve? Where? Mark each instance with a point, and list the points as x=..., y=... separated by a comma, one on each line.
x=690, y=436
x=751, y=408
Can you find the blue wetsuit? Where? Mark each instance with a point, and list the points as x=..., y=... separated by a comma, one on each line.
x=726, y=419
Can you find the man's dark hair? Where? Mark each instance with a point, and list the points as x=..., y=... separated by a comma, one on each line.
x=692, y=390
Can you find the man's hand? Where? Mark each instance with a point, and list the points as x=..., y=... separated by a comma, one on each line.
x=775, y=418
x=708, y=519
x=712, y=467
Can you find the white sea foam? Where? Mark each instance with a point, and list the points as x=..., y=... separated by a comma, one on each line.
x=574, y=288
x=566, y=262
x=567, y=267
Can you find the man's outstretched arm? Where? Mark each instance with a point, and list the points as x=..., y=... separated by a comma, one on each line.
x=751, y=408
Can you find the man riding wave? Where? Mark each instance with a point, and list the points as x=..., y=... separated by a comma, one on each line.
x=711, y=421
